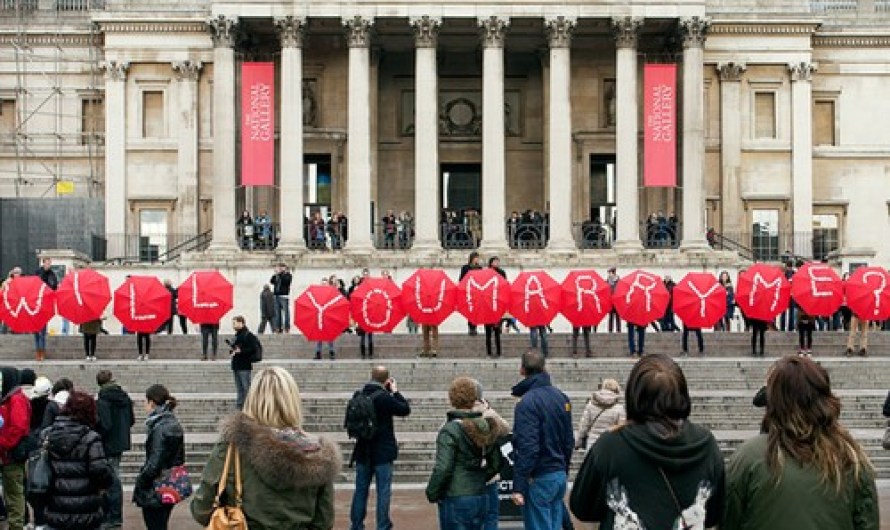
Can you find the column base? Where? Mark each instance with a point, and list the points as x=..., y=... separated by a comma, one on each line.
x=700, y=246
x=223, y=247
x=490, y=249
x=628, y=246
x=562, y=247
x=426, y=246
x=363, y=248
x=290, y=248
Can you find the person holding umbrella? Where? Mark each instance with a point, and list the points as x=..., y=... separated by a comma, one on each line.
x=47, y=276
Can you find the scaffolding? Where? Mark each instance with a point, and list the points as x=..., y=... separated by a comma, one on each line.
x=56, y=134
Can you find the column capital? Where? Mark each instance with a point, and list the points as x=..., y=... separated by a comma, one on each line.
x=802, y=71
x=223, y=31
x=187, y=70
x=626, y=30
x=559, y=31
x=693, y=30
x=494, y=29
x=290, y=31
x=115, y=70
x=358, y=32
x=731, y=71
x=426, y=31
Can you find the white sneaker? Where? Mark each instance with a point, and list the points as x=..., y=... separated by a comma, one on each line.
x=141, y=357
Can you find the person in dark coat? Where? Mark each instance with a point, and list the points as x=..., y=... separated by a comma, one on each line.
x=471, y=264
x=115, y=409
x=244, y=350
x=281, y=281
x=164, y=449
x=58, y=396
x=174, y=311
x=47, y=276
x=268, y=310
x=79, y=469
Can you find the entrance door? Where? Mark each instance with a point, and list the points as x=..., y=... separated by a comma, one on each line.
x=461, y=205
x=598, y=229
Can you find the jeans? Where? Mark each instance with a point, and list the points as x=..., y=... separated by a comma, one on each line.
x=242, y=384
x=543, y=508
x=382, y=474
x=493, y=513
x=534, y=334
x=209, y=333
x=156, y=518
x=40, y=339
x=114, y=497
x=283, y=323
x=640, y=332
x=463, y=513
x=698, y=337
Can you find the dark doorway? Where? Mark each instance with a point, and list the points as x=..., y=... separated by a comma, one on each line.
x=461, y=205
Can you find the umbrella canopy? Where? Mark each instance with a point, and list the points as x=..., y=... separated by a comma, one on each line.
x=27, y=304
x=376, y=305
x=483, y=296
x=535, y=298
x=640, y=297
x=586, y=298
x=321, y=312
x=817, y=289
x=205, y=297
x=868, y=293
x=83, y=296
x=428, y=296
x=763, y=292
x=699, y=300
x=142, y=304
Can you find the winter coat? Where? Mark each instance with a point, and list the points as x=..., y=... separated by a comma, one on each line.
x=116, y=418
x=268, y=305
x=467, y=455
x=382, y=448
x=48, y=276
x=38, y=409
x=281, y=283
x=15, y=408
x=601, y=413
x=799, y=501
x=248, y=344
x=93, y=327
x=164, y=449
x=79, y=474
x=53, y=408
x=619, y=482
x=543, y=438
x=287, y=476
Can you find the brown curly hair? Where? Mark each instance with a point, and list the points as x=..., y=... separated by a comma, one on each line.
x=462, y=393
x=81, y=407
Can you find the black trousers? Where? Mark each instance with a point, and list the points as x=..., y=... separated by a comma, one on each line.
x=493, y=330
x=89, y=344
x=698, y=336
x=758, y=331
x=156, y=518
x=805, y=336
x=143, y=343
x=209, y=333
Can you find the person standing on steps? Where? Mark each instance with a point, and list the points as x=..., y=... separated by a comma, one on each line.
x=471, y=264
x=268, y=310
x=585, y=332
x=115, y=414
x=858, y=329
x=209, y=333
x=143, y=345
x=47, y=276
x=614, y=319
x=281, y=281
x=244, y=351
x=174, y=310
x=90, y=332
x=493, y=331
x=758, y=333
x=698, y=337
x=365, y=338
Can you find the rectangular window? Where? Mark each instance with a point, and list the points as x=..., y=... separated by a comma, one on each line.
x=825, y=235
x=765, y=234
x=8, y=121
x=764, y=115
x=152, y=114
x=823, y=123
x=597, y=229
x=92, y=121
x=152, y=234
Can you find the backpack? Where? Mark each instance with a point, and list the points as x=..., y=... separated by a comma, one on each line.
x=361, y=416
x=257, y=353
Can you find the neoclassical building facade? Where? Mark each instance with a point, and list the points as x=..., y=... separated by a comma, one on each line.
x=467, y=109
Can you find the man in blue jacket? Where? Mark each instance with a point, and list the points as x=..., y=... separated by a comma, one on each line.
x=543, y=441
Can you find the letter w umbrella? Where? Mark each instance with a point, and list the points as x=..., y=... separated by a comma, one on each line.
x=763, y=292
x=699, y=300
x=376, y=305
x=142, y=304
x=83, y=296
x=428, y=296
x=535, y=298
x=817, y=289
x=27, y=304
x=640, y=297
x=205, y=297
x=483, y=296
x=586, y=298
x=321, y=312
x=868, y=293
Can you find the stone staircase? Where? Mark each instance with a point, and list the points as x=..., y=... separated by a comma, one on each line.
x=722, y=383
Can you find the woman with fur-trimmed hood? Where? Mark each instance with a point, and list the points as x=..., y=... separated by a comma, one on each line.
x=467, y=456
x=287, y=474
x=602, y=413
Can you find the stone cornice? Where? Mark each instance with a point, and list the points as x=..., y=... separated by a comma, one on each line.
x=153, y=27
x=42, y=39
x=760, y=28
x=851, y=41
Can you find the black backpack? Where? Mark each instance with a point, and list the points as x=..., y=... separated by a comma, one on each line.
x=258, y=352
x=361, y=417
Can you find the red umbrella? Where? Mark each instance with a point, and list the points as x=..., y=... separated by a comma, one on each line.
x=428, y=296
x=817, y=289
x=28, y=304
x=321, y=313
x=699, y=300
x=868, y=293
x=763, y=292
x=142, y=304
x=376, y=305
x=640, y=297
x=535, y=298
x=483, y=296
x=205, y=296
x=83, y=296
x=586, y=298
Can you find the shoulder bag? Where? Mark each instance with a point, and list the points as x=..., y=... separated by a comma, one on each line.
x=173, y=485
x=228, y=517
x=40, y=474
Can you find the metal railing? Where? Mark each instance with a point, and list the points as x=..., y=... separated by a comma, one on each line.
x=593, y=235
x=456, y=236
x=775, y=247
x=257, y=236
x=156, y=248
x=528, y=235
x=721, y=242
x=321, y=235
x=397, y=236
x=196, y=244
x=22, y=5
x=79, y=5
x=661, y=234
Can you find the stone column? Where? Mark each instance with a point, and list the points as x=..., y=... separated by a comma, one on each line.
x=733, y=222
x=188, y=72
x=358, y=150
x=290, y=143
x=802, y=157
x=693, y=31
x=116, y=157
x=426, y=135
x=627, y=230
x=559, y=124
x=223, y=31
x=494, y=214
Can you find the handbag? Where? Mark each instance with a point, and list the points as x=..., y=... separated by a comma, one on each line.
x=228, y=517
x=886, y=441
x=40, y=474
x=173, y=485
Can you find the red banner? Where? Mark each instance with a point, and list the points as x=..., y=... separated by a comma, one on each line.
x=258, y=124
x=660, y=125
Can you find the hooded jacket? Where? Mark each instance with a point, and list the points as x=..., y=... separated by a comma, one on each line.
x=467, y=455
x=268, y=304
x=164, y=449
x=15, y=407
x=382, y=448
x=601, y=413
x=115, y=410
x=619, y=483
x=248, y=344
x=80, y=471
x=287, y=476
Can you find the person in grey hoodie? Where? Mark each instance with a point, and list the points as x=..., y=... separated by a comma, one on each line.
x=602, y=412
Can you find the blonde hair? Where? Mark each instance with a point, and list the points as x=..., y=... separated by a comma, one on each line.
x=274, y=399
x=612, y=386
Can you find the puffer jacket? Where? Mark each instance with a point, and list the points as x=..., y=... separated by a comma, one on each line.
x=467, y=455
x=80, y=471
x=164, y=448
x=287, y=476
x=601, y=414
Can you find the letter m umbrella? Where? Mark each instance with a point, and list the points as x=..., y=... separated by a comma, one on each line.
x=321, y=313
